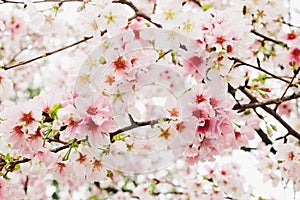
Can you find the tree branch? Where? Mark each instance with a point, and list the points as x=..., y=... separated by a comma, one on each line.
x=257, y=68
x=286, y=89
x=138, y=13
x=264, y=137
x=41, y=1
x=290, y=130
x=242, y=107
x=270, y=39
x=135, y=124
x=68, y=145
x=289, y=24
x=47, y=54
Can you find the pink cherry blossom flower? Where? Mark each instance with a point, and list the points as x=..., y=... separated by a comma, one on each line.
x=14, y=24
x=6, y=86
x=285, y=108
x=9, y=190
x=295, y=55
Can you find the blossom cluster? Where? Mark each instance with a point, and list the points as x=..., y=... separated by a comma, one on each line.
x=159, y=83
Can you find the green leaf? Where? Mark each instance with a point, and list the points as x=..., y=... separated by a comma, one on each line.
x=119, y=136
x=55, y=183
x=55, y=196
x=8, y=157
x=94, y=198
x=106, y=44
x=269, y=130
x=66, y=156
x=260, y=78
x=173, y=55
x=102, y=60
x=206, y=7
x=53, y=110
x=33, y=92
x=73, y=145
x=109, y=173
x=55, y=8
x=273, y=127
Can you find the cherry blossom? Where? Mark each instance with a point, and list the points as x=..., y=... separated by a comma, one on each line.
x=148, y=99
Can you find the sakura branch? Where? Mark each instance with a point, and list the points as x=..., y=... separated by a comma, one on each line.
x=240, y=62
x=138, y=13
x=41, y=1
x=290, y=25
x=47, y=54
x=296, y=72
x=69, y=132
x=242, y=107
x=270, y=39
x=195, y=2
x=134, y=124
x=264, y=137
x=290, y=130
x=10, y=166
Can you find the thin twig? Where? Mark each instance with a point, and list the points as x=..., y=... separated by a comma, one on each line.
x=163, y=55
x=286, y=89
x=289, y=129
x=138, y=13
x=289, y=24
x=41, y=1
x=47, y=54
x=68, y=145
x=26, y=184
x=270, y=39
x=135, y=124
x=264, y=137
x=264, y=103
x=257, y=68
x=196, y=2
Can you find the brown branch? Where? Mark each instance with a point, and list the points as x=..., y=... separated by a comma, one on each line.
x=289, y=24
x=56, y=140
x=68, y=145
x=13, y=164
x=242, y=107
x=264, y=137
x=41, y=1
x=138, y=13
x=289, y=129
x=13, y=58
x=163, y=55
x=26, y=184
x=257, y=68
x=135, y=124
x=196, y=2
x=286, y=89
x=47, y=54
x=270, y=39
